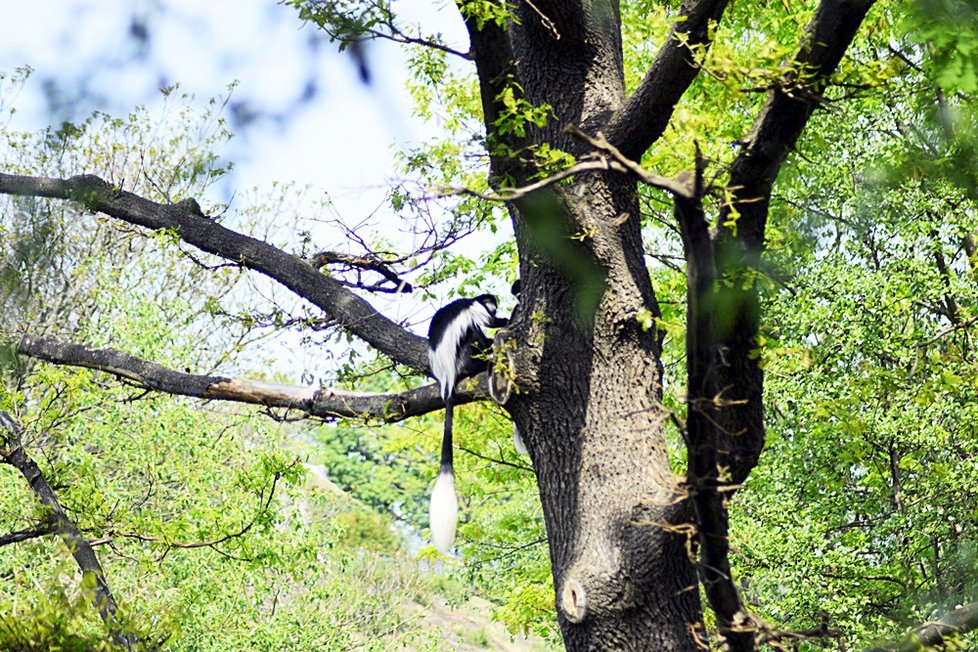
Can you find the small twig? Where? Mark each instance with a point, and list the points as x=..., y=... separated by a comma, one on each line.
x=947, y=331
x=548, y=24
x=674, y=185
x=510, y=551
x=522, y=467
x=264, y=502
x=513, y=194
x=398, y=36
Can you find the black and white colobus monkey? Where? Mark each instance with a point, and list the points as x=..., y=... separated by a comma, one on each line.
x=456, y=349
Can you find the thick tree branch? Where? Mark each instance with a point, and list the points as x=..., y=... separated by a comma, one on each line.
x=702, y=433
x=644, y=117
x=740, y=235
x=13, y=453
x=185, y=219
x=36, y=532
x=787, y=110
x=725, y=426
x=320, y=403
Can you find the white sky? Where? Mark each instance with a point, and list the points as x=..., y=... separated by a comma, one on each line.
x=204, y=46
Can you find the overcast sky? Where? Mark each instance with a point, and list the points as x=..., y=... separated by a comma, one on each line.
x=321, y=124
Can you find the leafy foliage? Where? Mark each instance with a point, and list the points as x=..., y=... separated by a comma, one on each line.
x=862, y=513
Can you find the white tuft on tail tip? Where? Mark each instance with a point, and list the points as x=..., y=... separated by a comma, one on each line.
x=443, y=511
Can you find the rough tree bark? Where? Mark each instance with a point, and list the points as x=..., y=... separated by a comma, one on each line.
x=629, y=543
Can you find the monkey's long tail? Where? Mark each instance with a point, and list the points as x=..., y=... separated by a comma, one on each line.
x=443, y=510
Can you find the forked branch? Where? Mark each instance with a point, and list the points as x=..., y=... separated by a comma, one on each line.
x=645, y=116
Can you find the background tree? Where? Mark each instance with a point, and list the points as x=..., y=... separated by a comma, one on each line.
x=672, y=88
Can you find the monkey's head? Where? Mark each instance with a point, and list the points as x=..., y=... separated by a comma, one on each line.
x=489, y=302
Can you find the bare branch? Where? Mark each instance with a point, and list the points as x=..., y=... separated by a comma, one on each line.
x=677, y=186
x=397, y=35
x=369, y=262
x=324, y=403
x=379, y=14
x=777, y=638
x=514, y=194
x=496, y=460
x=608, y=158
x=348, y=309
x=947, y=331
x=27, y=534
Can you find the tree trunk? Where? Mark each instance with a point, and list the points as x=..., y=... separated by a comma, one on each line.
x=589, y=408
x=589, y=376
x=622, y=531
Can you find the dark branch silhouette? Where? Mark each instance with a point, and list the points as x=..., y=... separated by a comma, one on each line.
x=962, y=620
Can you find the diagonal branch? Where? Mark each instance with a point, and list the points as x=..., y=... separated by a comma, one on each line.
x=934, y=635
x=726, y=430
x=678, y=186
x=397, y=35
x=644, y=117
x=520, y=192
x=739, y=238
x=185, y=220
x=786, y=112
x=607, y=157
x=13, y=453
x=322, y=403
